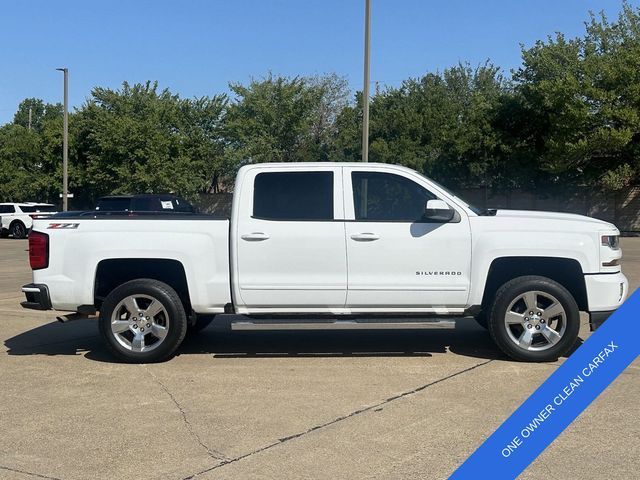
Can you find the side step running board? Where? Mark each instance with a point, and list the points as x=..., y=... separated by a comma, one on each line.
x=437, y=324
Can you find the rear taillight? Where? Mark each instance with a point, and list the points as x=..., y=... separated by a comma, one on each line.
x=38, y=250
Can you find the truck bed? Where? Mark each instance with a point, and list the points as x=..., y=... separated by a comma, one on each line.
x=198, y=243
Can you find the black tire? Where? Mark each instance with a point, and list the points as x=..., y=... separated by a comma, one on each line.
x=168, y=298
x=18, y=230
x=200, y=324
x=509, y=293
x=482, y=320
x=4, y=233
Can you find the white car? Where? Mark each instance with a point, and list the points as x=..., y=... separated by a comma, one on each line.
x=17, y=218
x=331, y=246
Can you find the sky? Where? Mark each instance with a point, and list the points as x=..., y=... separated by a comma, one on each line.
x=196, y=47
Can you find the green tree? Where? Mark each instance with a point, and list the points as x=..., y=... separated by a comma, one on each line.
x=19, y=163
x=284, y=119
x=440, y=124
x=30, y=160
x=40, y=113
x=138, y=139
x=204, y=143
x=581, y=101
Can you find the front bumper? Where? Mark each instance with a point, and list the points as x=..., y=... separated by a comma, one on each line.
x=605, y=293
x=37, y=297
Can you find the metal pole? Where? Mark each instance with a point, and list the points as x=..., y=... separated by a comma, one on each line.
x=365, y=89
x=65, y=141
x=29, y=118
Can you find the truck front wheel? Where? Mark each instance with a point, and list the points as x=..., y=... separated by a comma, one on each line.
x=143, y=321
x=534, y=319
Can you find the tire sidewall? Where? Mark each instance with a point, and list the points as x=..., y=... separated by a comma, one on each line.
x=511, y=290
x=18, y=234
x=170, y=301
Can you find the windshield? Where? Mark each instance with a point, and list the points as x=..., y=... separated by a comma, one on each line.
x=474, y=209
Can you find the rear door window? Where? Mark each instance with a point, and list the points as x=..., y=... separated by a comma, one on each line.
x=293, y=196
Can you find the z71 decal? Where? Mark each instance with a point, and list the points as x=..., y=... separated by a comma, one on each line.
x=64, y=226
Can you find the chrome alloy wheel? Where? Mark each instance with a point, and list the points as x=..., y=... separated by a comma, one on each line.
x=139, y=323
x=535, y=321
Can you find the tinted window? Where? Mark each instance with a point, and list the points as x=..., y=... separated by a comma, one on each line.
x=293, y=196
x=161, y=204
x=113, y=204
x=37, y=208
x=151, y=204
x=181, y=205
x=388, y=197
x=7, y=209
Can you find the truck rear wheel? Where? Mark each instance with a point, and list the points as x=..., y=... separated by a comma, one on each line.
x=143, y=321
x=534, y=319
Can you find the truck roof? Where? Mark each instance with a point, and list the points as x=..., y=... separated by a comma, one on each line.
x=321, y=164
x=313, y=165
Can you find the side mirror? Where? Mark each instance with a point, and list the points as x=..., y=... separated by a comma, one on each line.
x=439, y=211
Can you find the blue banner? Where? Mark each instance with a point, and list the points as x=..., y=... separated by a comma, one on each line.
x=560, y=399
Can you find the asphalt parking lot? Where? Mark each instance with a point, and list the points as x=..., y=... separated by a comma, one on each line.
x=314, y=405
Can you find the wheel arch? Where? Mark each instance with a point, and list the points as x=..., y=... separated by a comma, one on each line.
x=111, y=273
x=566, y=271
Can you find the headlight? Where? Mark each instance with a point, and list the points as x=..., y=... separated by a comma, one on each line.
x=611, y=241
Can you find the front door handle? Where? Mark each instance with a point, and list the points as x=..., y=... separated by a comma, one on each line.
x=365, y=237
x=255, y=237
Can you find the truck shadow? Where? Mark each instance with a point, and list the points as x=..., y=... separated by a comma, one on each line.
x=81, y=337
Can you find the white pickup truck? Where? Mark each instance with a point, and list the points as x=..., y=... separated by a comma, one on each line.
x=331, y=245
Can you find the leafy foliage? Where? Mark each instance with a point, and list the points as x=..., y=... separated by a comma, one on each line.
x=581, y=98
x=138, y=139
x=279, y=119
x=40, y=113
x=441, y=124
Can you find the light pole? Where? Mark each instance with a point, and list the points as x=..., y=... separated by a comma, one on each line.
x=65, y=141
x=365, y=90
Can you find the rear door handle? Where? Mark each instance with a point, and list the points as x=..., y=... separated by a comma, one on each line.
x=365, y=237
x=255, y=237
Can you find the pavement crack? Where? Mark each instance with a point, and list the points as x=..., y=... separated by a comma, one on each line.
x=24, y=472
x=342, y=418
x=210, y=451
